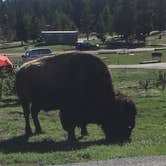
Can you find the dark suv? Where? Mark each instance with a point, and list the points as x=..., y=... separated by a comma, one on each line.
x=86, y=46
x=36, y=53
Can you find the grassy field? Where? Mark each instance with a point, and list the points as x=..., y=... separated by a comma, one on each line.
x=133, y=58
x=156, y=40
x=15, y=47
x=148, y=137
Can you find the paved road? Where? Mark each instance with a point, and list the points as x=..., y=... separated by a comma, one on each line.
x=134, y=161
x=140, y=66
x=107, y=51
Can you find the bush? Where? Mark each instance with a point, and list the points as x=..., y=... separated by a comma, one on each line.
x=8, y=88
x=7, y=81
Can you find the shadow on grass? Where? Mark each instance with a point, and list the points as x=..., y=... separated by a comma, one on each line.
x=21, y=144
x=9, y=103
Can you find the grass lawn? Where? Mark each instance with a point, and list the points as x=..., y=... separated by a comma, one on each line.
x=17, y=48
x=133, y=58
x=116, y=58
x=155, y=39
x=148, y=137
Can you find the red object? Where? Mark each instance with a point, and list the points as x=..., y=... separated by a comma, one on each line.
x=4, y=61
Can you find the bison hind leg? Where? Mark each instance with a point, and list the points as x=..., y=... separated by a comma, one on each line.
x=84, y=131
x=26, y=110
x=107, y=131
x=34, y=112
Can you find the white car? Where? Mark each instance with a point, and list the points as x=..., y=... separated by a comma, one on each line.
x=36, y=53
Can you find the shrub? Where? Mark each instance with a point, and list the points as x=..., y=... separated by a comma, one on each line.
x=7, y=81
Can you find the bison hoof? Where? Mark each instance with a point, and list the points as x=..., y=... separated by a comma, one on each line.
x=39, y=132
x=72, y=141
x=84, y=133
x=108, y=141
x=28, y=134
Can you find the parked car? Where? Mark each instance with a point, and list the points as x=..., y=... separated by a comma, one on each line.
x=36, y=53
x=86, y=46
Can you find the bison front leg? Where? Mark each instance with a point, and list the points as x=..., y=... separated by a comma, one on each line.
x=84, y=131
x=26, y=110
x=68, y=125
x=107, y=131
x=34, y=112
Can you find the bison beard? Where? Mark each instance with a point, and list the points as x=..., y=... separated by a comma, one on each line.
x=78, y=84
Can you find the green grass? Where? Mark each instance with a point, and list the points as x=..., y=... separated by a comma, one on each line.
x=155, y=40
x=113, y=58
x=15, y=47
x=133, y=58
x=148, y=137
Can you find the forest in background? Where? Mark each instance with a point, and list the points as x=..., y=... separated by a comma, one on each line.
x=24, y=19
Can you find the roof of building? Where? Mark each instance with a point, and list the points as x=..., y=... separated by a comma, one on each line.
x=59, y=31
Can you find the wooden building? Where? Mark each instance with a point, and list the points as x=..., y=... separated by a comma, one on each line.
x=60, y=37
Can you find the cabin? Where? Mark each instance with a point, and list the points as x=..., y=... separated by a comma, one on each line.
x=60, y=37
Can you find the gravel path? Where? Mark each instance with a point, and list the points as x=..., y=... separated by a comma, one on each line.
x=105, y=51
x=134, y=161
x=140, y=66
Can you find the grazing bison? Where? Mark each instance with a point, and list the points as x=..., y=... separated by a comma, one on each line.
x=78, y=84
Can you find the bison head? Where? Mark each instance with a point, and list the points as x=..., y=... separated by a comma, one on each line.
x=123, y=118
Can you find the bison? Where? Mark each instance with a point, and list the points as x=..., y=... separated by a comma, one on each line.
x=80, y=86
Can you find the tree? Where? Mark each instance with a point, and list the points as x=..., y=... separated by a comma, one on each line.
x=123, y=21
x=159, y=14
x=21, y=31
x=107, y=18
x=86, y=20
x=34, y=28
x=100, y=29
x=128, y=18
x=143, y=17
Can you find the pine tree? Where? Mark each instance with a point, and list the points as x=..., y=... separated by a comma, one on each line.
x=159, y=14
x=34, y=28
x=86, y=20
x=143, y=17
x=123, y=22
x=21, y=31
